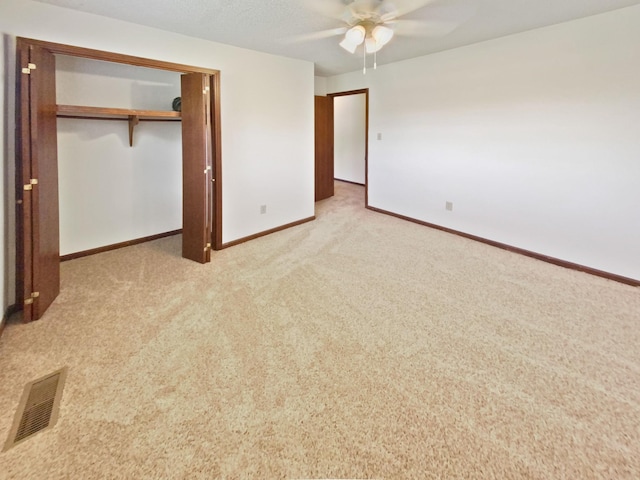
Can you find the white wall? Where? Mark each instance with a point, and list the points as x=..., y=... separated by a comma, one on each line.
x=350, y=130
x=267, y=109
x=533, y=137
x=320, y=86
x=110, y=192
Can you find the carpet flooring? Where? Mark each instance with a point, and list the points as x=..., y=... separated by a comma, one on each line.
x=354, y=346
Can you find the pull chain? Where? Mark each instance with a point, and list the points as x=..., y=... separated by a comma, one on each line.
x=364, y=60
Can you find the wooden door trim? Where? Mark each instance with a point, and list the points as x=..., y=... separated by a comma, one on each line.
x=74, y=51
x=349, y=92
x=216, y=133
x=364, y=91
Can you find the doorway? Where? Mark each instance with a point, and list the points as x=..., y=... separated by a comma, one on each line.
x=349, y=138
x=342, y=140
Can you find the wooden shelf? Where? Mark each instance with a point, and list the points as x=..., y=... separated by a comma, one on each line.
x=101, y=113
x=132, y=116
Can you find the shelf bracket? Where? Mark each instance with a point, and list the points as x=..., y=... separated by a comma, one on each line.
x=133, y=121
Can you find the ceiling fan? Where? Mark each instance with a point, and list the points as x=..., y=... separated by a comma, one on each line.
x=373, y=23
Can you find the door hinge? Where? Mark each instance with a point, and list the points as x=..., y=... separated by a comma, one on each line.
x=29, y=301
x=28, y=68
x=32, y=182
x=208, y=247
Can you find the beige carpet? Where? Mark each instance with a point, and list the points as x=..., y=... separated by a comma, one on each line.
x=355, y=346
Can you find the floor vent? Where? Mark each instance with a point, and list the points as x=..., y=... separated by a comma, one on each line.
x=38, y=409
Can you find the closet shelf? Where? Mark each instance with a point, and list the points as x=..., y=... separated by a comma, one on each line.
x=132, y=116
x=102, y=113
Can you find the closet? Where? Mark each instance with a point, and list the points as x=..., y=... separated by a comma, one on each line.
x=37, y=201
x=119, y=155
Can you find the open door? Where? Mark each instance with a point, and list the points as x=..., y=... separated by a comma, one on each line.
x=38, y=246
x=197, y=170
x=323, y=147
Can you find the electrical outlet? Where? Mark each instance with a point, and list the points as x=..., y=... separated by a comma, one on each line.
x=379, y=136
x=448, y=206
x=263, y=209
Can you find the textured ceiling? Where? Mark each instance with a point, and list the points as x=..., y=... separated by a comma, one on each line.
x=280, y=26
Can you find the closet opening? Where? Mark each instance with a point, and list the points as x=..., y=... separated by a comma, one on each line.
x=104, y=159
x=119, y=175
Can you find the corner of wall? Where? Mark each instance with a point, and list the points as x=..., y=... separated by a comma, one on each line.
x=320, y=86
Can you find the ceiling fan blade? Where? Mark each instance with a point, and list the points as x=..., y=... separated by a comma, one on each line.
x=352, y=13
x=328, y=8
x=437, y=20
x=422, y=28
x=309, y=37
x=392, y=9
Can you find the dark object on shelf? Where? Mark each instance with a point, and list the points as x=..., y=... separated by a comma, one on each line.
x=177, y=104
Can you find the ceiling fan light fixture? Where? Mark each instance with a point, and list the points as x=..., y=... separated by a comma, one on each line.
x=348, y=46
x=382, y=35
x=371, y=45
x=356, y=34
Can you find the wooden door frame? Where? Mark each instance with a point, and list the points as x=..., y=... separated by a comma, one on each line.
x=23, y=44
x=364, y=91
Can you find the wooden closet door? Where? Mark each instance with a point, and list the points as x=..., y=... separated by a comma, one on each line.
x=196, y=167
x=323, y=147
x=38, y=249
